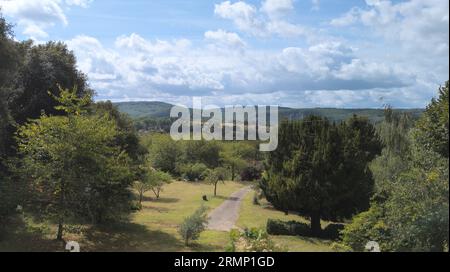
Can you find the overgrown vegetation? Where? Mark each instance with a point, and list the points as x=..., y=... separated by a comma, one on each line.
x=409, y=210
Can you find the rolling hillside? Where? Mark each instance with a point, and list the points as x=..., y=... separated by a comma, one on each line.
x=161, y=110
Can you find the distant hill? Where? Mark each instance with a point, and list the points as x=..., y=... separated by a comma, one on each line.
x=161, y=110
x=145, y=109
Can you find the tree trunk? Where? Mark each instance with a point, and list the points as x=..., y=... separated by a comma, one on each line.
x=316, y=228
x=141, y=196
x=215, y=189
x=59, y=236
x=232, y=172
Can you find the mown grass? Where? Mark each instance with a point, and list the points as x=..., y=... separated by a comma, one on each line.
x=152, y=229
x=256, y=216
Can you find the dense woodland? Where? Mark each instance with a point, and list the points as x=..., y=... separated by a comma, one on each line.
x=65, y=158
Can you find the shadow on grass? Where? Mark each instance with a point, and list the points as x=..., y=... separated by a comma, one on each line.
x=161, y=199
x=158, y=209
x=204, y=248
x=129, y=237
x=17, y=236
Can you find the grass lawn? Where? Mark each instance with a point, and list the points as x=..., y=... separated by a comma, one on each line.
x=257, y=215
x=154, y=228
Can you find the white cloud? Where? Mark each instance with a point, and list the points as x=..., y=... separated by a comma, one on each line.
x=347, y=19
x=275, y=8
x=80, y=3
x=35, y=16
x=264, y=22
x=223, y=37
x=143, y=69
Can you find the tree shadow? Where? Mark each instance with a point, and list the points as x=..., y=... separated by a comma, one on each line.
x=18, y=236
x=167, y=200
x=158, y=209
x=128, y=236
x=161, y=199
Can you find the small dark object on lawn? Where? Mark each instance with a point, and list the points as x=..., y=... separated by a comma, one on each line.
x=205, y=198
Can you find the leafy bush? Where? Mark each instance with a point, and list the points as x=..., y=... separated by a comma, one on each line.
x=193, y=172
x=278, y=227
x=251, y=240
x=251, y=173
x=194, y=225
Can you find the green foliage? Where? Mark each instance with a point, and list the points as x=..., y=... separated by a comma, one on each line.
x=151, y=180
x=206, y=152
x=165, y=154
x=432, y=128
x=294, y=228
x=251, y=172
x=278, y=227
x=251, y=240
x=74, y=167
x=127, y=137
x=193, y=172
x=194, y=225
x=43, y=69
x=320, y=169
x=215, y=176
x=410, y=209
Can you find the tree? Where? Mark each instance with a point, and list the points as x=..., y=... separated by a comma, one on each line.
x=206, y=152
x=127, y=137
x=235, y=156
x=432, y=128
x=409, y=211
x=194, y=225
x=151, y=180
x=164, y=153
x=320, y=169
x=215, y=176
x=74, y=167
x=44, y=68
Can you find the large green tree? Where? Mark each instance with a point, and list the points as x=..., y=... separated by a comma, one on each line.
x=44, y=68
x=320, y=169
x=76, y=170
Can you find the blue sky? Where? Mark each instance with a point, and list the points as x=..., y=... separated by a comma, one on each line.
x=298, y=53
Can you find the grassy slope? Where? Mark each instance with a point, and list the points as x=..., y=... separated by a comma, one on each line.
x=257, y=215
x=154, y=228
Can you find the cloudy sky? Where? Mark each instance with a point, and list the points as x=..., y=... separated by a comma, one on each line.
x=299, y=53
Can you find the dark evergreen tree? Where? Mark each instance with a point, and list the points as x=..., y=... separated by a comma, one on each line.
x=320, y=169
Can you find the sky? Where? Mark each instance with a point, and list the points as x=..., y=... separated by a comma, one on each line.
x=295, y=53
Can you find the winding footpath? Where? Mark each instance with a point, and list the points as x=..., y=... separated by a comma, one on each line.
x=224, y=217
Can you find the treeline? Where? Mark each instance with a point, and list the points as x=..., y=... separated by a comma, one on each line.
x=194, y=160
x=63, y=158
x=409, y=209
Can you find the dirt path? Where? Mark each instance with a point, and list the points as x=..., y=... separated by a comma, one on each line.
x=224, y=217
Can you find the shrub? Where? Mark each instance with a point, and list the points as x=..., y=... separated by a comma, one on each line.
x=278, y=227
x=251, y=173
x=193, y=172
x=194, y=225
x=251, y=240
